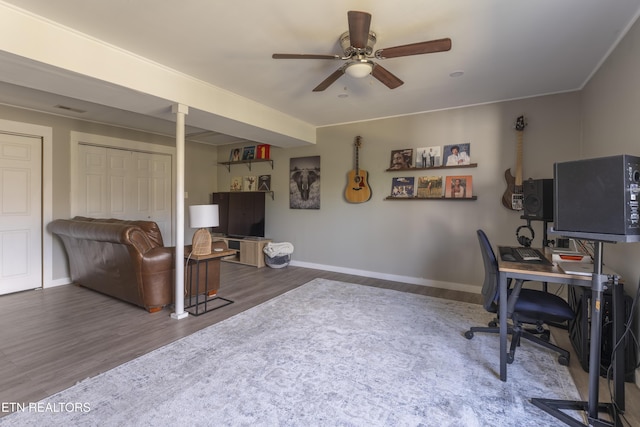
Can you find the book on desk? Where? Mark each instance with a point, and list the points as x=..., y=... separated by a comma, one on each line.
x=583, y=268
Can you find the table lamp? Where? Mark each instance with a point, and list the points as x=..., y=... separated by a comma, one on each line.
x=202, y=217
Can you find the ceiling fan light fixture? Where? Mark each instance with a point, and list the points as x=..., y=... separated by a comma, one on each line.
x=359, y=69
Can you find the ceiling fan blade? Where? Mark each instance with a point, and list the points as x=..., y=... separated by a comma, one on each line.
x=385, y=76
x=440, y=45
x=303, y=56
x=330, y=80
x=359, y=23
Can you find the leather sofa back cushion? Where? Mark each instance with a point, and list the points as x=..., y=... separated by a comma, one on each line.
x=149, y=227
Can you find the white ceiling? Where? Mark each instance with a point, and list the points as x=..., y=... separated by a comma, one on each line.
x=507, y=49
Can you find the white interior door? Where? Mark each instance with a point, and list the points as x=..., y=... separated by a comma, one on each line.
x=20, y=213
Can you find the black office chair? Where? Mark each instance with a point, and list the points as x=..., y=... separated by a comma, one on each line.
x=533, y=307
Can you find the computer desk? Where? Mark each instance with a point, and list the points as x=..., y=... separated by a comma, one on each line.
x=554, y=274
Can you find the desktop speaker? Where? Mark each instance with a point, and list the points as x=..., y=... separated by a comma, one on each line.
x=538, y=199
x=598, y=196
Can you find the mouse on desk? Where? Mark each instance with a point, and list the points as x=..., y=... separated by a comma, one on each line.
x=508, y=257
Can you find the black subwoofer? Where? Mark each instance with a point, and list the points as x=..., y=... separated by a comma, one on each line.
x=538, y=199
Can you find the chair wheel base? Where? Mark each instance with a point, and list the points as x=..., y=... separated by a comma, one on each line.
x=468, y=335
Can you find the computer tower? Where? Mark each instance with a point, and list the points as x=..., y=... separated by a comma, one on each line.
x=538, y=199
x=598, y=196
x=579, y=299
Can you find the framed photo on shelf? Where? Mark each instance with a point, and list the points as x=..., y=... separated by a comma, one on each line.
x=428, y=157
x=263, y=151
x=457, y=154
x=234, y=155
x=264, y=183
x=402, y=187
x=249, y=183
x=429, y=187
x=401, y=159
x=459, y=187
x=249, y=152
x=236, y=183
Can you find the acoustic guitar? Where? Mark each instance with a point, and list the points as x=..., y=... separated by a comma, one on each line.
x=513, y=196
x=358, y=190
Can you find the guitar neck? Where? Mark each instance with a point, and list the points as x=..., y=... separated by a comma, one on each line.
x=518, y=174
x=356, y=144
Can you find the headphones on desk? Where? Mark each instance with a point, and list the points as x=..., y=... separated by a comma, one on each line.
x=523, y=239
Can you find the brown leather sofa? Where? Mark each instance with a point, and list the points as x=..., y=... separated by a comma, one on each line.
x=120, y=258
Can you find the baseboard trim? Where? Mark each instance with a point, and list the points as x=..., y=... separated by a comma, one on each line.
x=392, y=277
x=58, y=282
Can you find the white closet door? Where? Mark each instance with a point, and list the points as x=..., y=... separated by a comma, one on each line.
x=117, y=183
x=92, y=194
x=20, y=213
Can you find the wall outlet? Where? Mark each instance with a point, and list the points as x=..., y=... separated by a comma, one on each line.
x=186, y=194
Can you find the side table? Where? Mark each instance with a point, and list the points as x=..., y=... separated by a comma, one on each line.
x=198, y=300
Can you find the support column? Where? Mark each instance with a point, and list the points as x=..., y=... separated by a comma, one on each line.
x=180, y=111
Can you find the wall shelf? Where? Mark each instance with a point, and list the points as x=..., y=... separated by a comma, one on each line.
x=471, y=165
x=247, y=162
x=433, y=198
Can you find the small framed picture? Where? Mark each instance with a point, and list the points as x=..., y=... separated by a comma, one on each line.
x=249, y=183
x=459, y=187
x=264, y=183
x=457, y=154
x=263, y=151
x=235, y=155
x=429, y=187
x=249, y=153
x=236, y=183
x=428, y=157
x=402, y=159
x=402, y=186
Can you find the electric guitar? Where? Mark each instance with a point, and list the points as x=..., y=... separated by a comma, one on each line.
x=358, y=190
x=513, y=196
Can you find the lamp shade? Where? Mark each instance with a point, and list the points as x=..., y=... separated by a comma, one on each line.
x=203, y=216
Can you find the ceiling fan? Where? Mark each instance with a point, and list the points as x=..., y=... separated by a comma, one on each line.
x=357, y=45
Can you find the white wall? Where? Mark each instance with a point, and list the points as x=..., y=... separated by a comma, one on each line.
x=427, y=242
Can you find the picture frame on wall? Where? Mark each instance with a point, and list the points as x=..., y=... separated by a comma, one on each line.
x=264, y=183
x=429, y=187
x=402, y=187
x=263, y=151
x=236, y=184
x=235, y=155
x=459, y=187
x=457, y=154
x=401, y=159
x=304, y=182
x=428, y=157
x=249, y=152
x=249, y=183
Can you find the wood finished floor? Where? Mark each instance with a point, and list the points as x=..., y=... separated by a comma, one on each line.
x=50, y=339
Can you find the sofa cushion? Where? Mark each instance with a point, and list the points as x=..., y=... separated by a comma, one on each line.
x=149, y=227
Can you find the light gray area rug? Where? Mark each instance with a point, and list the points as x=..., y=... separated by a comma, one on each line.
x=325, y=354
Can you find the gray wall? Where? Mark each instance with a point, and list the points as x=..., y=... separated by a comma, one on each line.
x=610, y=105
x=427, y=242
